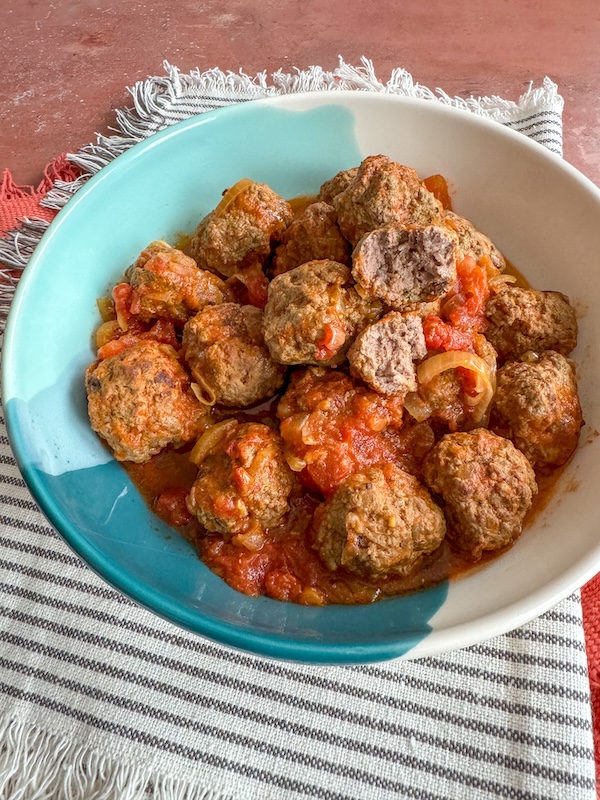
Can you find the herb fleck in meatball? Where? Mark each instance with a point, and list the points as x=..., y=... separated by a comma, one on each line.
x=402, y=266
x=487, y=486
x=226, y=353
x=525, y=319
x=240, y=232
x=167, y=283
x=337, y=184
x=314, y=235
x=378, y=522
x=383, y=193
x=472, y=242
x=139, y=401
x=537, y=406
x=384, y=353
x=313, y=314
x=243, y=481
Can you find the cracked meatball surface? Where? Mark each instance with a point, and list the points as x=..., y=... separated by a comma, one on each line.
x=243, y=481
x=526, y=319
x=140, y=401
x=313, y=314
x=239, y=234
x=401, y=266
x=537, y=407
x=487, y=487
x=381, y=193
x=379, y=522
x=167, y=283
x=472, y=242
x=384, y=353
x=226, y=353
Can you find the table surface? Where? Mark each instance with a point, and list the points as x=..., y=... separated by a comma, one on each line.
x=65, y=65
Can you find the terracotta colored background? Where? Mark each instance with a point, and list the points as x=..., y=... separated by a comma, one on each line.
x=65, y=64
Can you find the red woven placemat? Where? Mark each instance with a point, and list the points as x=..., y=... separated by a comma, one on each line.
x=17, y=202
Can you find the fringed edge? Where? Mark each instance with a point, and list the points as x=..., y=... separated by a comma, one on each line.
x=38, y=765
x=158, y=101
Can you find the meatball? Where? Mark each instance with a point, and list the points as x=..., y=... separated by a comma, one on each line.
x=313, y=314
x=537, y=407
x=337, y=184
x=379, y=522
x=332, y=426
x=239, y=233
x=314, y=235
x=384, y=353
x=487, y=486
x=383, y=193
x=525, y=319
x=402, y=266
x=167, y=283
x=140, y=401
x=226, y=353
x=243, y=480
x=472, y=242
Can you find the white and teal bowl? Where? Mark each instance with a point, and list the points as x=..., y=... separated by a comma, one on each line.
x=539, y=211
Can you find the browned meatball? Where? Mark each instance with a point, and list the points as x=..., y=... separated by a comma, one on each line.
x=243, y=480
x=472, y=242
x=313, y=314
x=167, y=283
x=239, y=233
x=402, y=266
x=140, y=401
x=537, y=406
x=314, y=235
x=487, y=486
x=226, y=353
x=525, y=319
x=384, y=353
x=378, y=522
x=383, y=192
x=337, y=184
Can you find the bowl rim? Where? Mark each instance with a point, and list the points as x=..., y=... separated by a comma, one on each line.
x=285, y=647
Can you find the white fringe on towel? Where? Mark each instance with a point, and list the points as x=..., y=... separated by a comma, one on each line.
x=161, y=101
x=36, y=765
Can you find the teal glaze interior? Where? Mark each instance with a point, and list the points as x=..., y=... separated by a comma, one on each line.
x=157, y=190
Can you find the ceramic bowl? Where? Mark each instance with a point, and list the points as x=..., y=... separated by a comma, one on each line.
x=538, y=210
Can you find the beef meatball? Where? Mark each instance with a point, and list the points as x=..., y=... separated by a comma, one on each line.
x=487, y=487
x=402, y=266
x=167, y=283
x=384, y=353
x=536, y=406
x=525, y=319
x=226, y=353
x=313, y=314
x=314, y=235
x=337, y=184
x=243, y=480
x=383, y=193
x=472, y=242
x=379, y=522
x=140, y=401
x=239, y=233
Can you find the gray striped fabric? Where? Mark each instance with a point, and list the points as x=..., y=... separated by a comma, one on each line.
x=100, y=699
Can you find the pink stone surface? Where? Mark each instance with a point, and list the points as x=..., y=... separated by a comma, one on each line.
x=66, y=64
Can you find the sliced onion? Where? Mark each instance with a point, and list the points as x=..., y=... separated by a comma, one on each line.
x=294, y=463
x=498, y=282
x=106, y=332
x=204, y=393
x=485, y=388
x=231, y=194
x=106, y=307
x=417, y=407
x=210, y=438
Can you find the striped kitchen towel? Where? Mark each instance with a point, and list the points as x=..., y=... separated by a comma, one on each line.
x=100, y=699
